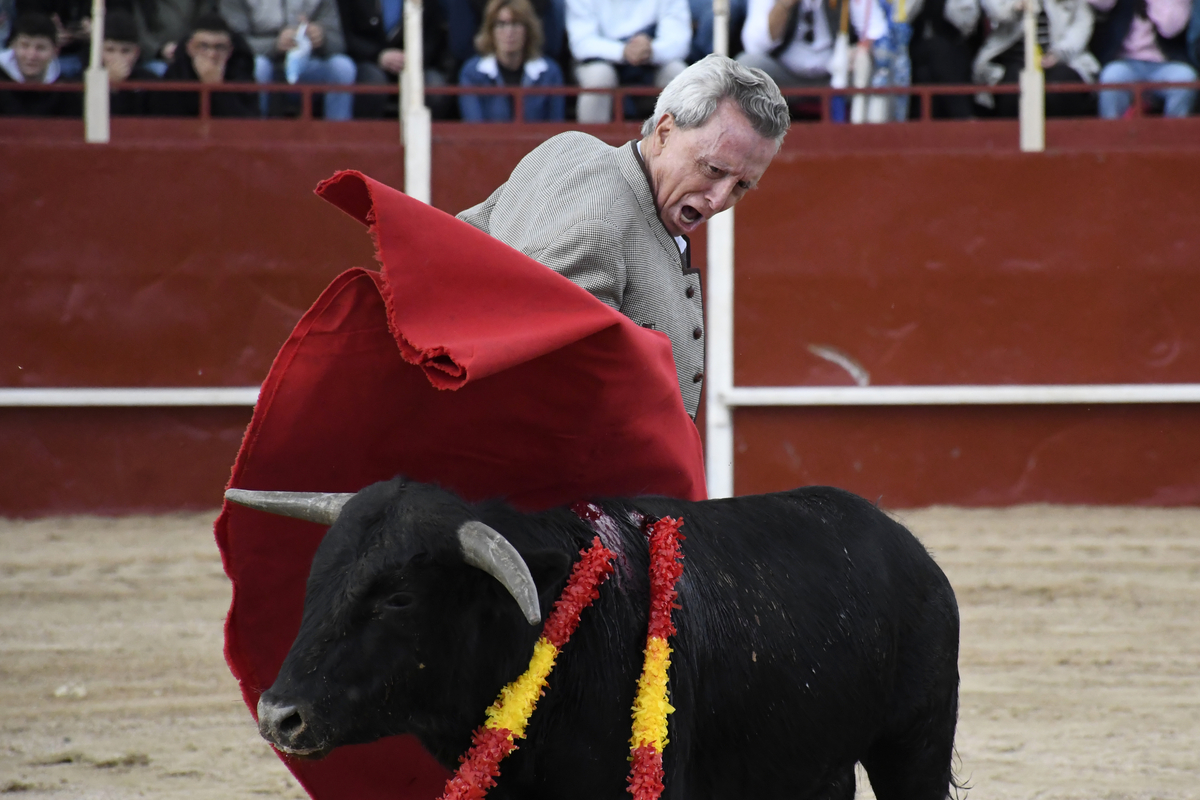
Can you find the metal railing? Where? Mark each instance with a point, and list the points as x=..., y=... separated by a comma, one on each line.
x=823, y=96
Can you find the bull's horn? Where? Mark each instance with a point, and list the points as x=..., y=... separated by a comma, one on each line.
x=485, y=548
x=317, y=507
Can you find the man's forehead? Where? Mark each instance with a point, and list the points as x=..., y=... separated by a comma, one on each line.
x=26, y=39
x=733, y=144
x=729, y=125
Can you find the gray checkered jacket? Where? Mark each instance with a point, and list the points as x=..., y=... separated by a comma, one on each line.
x=585, y=210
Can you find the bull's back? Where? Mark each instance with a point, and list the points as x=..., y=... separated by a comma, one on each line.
x=799, y=613
x=816, y=548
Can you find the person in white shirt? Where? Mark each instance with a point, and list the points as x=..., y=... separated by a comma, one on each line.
x=627, y=43
x=792, y=40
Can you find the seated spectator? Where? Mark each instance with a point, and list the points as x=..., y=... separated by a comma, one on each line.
x=162, y=24
x=891, y=65
x=792, y=40
x=73, y=23
x=941, y=51
x=211, y=54
x=273, y=29
x=509, y=45
x=1144, y=40
x=1064, y=28
x=32, y=58
x=374, y=31
x=120, y=58
x=638, y=43
x=463, y=19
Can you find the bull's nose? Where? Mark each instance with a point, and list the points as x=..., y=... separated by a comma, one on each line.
x=282, y=724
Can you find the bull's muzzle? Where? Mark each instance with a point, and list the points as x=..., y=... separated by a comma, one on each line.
x=285, y=725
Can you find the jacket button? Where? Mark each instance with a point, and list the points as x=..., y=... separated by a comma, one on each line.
x=699, y=376
x=696, y=334
x=690, y=293
x=374, y=21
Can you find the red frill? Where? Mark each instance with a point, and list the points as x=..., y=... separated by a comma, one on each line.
x=646, y=775
x=592, y=569
x=480, y=766
x=665, y=568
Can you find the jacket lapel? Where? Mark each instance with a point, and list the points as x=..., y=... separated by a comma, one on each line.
x=633, y=168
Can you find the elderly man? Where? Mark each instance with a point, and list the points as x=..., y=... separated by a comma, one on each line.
x=615, y=220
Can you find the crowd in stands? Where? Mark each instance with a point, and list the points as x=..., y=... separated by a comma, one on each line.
x=593, y=44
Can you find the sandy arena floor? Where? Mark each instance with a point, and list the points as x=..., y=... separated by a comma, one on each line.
x=1080, y=657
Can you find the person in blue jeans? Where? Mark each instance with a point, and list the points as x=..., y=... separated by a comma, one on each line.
x=300, y=40
x=510, y=54
x=1144, y=41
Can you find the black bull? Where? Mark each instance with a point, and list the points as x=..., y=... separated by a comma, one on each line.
x=813, y=632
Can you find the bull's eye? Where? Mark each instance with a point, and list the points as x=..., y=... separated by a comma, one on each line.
x=399, y=600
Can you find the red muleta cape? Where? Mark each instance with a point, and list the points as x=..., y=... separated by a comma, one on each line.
x=464, y=363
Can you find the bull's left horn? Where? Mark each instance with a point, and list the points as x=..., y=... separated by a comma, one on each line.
x=485, y=548
x=317, y=507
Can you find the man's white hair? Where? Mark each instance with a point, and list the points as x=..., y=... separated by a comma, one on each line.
x=693, y=96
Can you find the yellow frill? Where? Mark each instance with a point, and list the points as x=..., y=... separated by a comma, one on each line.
x=516, y=702
x=650, y=707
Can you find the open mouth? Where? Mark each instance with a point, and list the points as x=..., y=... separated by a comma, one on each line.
x=306, y=754
x=690, y=215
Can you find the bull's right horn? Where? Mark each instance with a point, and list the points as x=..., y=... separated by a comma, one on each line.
x=485, y=548
x=319, y=507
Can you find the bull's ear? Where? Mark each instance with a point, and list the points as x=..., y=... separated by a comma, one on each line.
x=550, y=569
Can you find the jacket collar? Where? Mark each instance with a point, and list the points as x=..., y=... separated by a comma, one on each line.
x=8, y=63
x=533, y=68
x=633, y=166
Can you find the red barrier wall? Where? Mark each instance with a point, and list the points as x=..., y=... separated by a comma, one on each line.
x=182, y=257
x=179, y=265
x=957, y=268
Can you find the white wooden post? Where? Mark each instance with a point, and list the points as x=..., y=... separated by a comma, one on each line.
x=1033, y=87
x=860, y=76
x=415, y=121
x=718, y=302
x=718, y=368
x=95, y=84
x=721, y=27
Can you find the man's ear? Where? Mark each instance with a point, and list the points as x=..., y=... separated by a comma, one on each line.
x=550, y=569
x=663, y=131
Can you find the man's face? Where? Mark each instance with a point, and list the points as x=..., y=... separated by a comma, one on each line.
x=119, y=58
x=210, y=51
x=34, y=54
x=699, y=172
